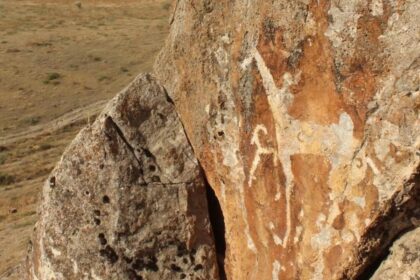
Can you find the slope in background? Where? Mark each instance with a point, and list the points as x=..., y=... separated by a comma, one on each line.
x=59, y=63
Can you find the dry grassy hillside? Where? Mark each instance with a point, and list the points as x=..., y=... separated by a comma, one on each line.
x=59, y=63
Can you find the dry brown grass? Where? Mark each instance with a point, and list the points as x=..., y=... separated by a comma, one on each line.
x=56, y=57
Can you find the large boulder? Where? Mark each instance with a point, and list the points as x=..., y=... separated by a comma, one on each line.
x=304, y=116
x=127, y=200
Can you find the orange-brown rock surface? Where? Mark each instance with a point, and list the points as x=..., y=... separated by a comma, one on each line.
x=304, y=116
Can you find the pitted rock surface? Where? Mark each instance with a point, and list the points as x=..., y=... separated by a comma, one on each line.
x=127, y=200
x=404, y=259
x=304, y=116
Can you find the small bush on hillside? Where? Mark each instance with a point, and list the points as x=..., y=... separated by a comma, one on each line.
x=2, y=158
x=32, y=120
x=52, y=78
x=6, y=179
x=103, y=78
x=45, y=146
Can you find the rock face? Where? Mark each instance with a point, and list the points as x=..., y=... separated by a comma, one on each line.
x=404, y=260
x=304, y=116
x=127, y=200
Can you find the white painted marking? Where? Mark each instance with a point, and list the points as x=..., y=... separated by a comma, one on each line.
x=246, y=62
x=255, y=140
x=372, y=165
x=299, y=230
x=336, y=139
x=55, y=252
x=278, y=100
x=249, y=242
x=223, y=190
x=277, y=239
x=226, y=39
x=276, y=270
x=75, y=267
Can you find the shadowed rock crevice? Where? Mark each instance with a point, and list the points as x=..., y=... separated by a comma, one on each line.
x=217, y=222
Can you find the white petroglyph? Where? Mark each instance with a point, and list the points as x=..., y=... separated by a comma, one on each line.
x=223, y=191
x=372, y=165
x=75, y=267
x=299, y=230
x=230, y=147
x=276, y=270
x=277, y=240
x=255, y=140
x=335, y=142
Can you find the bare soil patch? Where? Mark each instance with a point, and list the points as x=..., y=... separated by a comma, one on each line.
x=60, y=61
